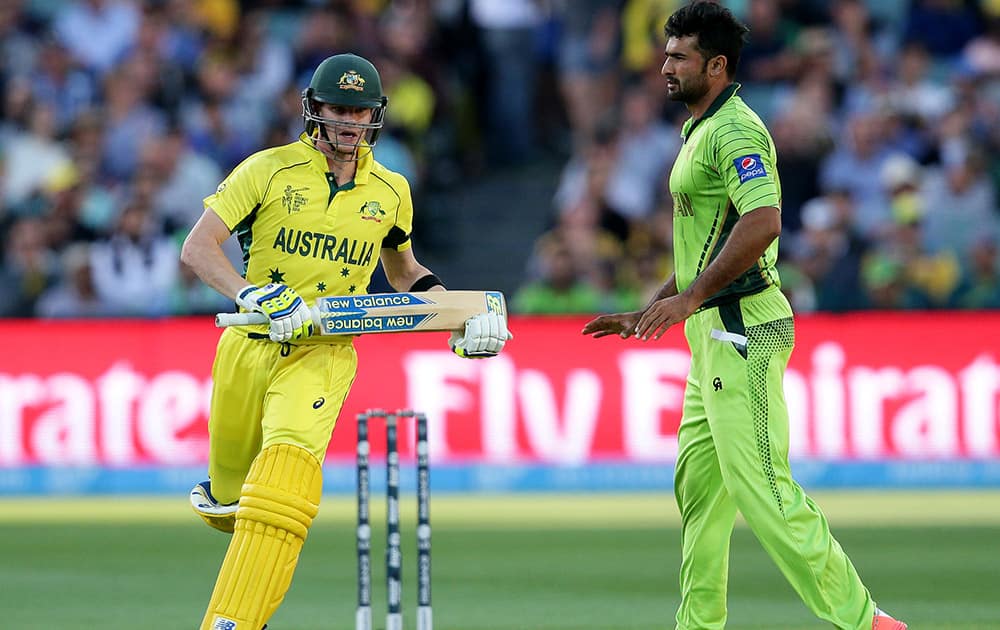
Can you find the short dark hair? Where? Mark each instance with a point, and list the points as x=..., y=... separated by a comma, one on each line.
x=718, y=31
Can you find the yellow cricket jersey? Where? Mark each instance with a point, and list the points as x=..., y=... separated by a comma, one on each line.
x=297, y=227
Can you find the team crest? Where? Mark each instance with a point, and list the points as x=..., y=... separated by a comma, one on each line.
x=372, y=211
x=293, y=199
x=351, y=80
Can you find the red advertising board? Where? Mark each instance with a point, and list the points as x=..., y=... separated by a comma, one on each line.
x=866, y=386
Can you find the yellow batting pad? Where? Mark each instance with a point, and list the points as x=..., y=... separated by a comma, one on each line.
x=279, y=501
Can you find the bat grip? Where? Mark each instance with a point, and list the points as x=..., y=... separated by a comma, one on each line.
x=223, y=320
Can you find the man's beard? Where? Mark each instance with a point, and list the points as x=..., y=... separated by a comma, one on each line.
x=692, y=92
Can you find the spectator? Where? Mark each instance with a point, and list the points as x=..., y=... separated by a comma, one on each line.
x=858, y=46
x=136, y=268
x=183, y=178
x=63, y=197
x=769, y=55
x=642, y=33
x=932, y=274
x=98, y=203
x=943, y=26
x=885, y=286
x=191, y=296
x=98, y=32
x=646, y=148
x=828, y=254
x=801, y=132
x=961, y=204
x=588, y=177
x=982, y=54
x=588, y=46
x=19, y=43
x=75, y=295
x=915, y=94
x=31, y=154
x=265, y=64
x=153, y=52
x=321, y=31
x=507, y=32
x=59, y=80
x=128, y=117
x=29, y=267
x=220, y=125
x=562, y=286
x=862, y=152
x=980, y=287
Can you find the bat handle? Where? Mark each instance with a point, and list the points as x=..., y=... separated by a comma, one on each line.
x=223, y=320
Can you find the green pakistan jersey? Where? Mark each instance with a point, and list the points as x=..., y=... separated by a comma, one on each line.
x=725, y=168
x=296, y=226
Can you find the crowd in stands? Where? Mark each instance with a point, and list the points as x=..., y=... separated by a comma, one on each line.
x=886, y=118
x=120, y=116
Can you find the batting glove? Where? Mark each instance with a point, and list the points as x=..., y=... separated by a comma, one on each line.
x=289, y=315
x=485, y=336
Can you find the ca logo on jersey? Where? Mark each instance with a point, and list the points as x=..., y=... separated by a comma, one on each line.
x=372, y=211
x=351, y=80
x=749, y=167
x=292, y=199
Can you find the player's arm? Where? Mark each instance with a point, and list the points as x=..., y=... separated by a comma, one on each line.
x=484, y=335
x=750, y=237
x=287, y=313
x=669, y=289
x=405, y=273
x=202, y=252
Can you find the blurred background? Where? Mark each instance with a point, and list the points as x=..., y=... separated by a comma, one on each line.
x=535, y=133
x=537, y=139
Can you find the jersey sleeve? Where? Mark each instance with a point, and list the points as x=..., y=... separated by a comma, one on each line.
x=398, y=237
x=744, y=158
x=238, y=195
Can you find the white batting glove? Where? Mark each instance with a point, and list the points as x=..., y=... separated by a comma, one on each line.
x=485, y=336
x=289, y=316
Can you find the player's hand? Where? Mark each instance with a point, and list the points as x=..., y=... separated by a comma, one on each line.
x=484, y=336
x=663, y=314
x=621, y=324
x=289, y=315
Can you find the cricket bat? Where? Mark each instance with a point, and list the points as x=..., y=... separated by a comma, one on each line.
x=389, y=312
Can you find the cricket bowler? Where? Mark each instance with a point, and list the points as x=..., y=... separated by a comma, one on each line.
x=313, y=218
x=733, y=437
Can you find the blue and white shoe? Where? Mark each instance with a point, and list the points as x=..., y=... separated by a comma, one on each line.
x=220, y=516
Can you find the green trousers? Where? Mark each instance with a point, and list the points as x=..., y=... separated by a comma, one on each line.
x=733, y=456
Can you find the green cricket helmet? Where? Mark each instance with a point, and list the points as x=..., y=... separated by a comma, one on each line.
x=350, y=81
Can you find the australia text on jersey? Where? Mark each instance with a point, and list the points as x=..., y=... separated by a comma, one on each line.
x=325, y=246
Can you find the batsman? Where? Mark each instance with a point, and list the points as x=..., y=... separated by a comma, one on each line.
x=734, y=434
x=313, y=219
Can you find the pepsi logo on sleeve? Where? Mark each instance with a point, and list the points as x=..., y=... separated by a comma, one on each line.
x=749, y=166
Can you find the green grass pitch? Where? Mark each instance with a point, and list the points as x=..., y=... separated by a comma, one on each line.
x=580, y=562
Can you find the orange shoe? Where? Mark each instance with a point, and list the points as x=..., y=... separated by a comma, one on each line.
x=882, y=621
